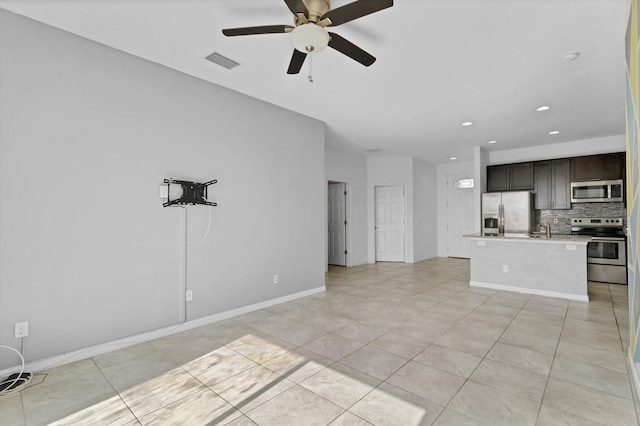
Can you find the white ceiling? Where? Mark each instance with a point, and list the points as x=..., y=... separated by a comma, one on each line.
x=440, y=62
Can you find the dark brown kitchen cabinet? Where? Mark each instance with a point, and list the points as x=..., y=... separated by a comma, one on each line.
x=552, y=184
x=510, y=177
x=598, y=167
x=498, y=178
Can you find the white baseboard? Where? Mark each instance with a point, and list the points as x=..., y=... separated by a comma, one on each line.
x=99, y=349
x=530, y=291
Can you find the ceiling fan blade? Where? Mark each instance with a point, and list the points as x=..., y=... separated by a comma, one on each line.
x=355, y=10
x=345, y=47
x=265, y=29
x=297, y=6
x=297, y=59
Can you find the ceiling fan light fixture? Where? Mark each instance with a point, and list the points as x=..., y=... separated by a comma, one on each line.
x=310, y=38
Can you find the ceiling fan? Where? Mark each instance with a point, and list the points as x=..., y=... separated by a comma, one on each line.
x=309, y=34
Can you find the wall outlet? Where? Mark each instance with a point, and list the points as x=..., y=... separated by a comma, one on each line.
x=189, y=295
x=505, y=268
x=276, y=279
x=22, y=329
x=571, y=247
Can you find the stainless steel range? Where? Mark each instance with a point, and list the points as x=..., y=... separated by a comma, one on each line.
x=607, y=252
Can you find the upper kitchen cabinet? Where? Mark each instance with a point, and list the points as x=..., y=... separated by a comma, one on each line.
x=598, y=167
x=552, y=184
x=510, y=177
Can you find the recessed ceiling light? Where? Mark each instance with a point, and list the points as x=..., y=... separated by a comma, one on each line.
x=453, y=158
x=492, y=142
x=571, y=56
x=543, y=108
x=554, y=132
x=467, y=123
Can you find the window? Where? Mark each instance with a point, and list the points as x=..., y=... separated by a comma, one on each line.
x=463, y=183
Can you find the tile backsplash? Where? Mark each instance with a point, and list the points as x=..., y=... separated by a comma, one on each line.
x=579, y=210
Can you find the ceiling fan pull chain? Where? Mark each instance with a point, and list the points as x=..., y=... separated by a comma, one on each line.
x=310, y=77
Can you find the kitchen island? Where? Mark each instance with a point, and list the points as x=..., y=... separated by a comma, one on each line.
x=554, y=267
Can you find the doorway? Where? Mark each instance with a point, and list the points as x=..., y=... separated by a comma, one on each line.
x=337, y=223
x=389, y=223
x=459, y=214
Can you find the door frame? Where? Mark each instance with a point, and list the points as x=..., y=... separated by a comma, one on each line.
x=347, y=230
x=372, y=234
x=450, y=177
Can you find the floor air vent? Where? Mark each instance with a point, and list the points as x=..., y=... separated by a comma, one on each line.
x=223, y=61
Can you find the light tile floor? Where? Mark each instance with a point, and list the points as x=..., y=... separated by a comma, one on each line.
x=387, y=344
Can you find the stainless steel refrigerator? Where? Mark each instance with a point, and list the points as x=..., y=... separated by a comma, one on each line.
x=507, y=213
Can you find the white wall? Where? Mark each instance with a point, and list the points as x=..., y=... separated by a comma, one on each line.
x=342, y=166
x=480, y=162
x=87, y=252
x=389, y=171
x=577, y=148
x=425, y=211
x=443, y=173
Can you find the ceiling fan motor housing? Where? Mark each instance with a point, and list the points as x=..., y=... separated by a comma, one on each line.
x=316, y=8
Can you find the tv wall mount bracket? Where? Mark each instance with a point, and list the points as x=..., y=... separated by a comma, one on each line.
x=193, y=193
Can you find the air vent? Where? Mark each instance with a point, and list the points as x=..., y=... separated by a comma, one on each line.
x=223, y=61
x=374, y=150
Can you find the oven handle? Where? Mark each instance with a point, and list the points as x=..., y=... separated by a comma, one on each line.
x=607, y=238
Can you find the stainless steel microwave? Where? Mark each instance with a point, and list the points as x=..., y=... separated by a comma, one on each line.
x=597, y=191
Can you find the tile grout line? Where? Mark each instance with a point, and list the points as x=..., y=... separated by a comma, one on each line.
x=555, y=352
x=468, y=379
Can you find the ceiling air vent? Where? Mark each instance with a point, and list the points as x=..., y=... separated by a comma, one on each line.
x=374, y=150
x=223, y=61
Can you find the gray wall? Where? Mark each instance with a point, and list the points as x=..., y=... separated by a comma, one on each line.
x=351, y=168
x=425, y=217
x=87, y=133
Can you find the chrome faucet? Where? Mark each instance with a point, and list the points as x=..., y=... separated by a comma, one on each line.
x=547, y=229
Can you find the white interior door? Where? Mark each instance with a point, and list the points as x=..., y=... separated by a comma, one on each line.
x=337, y=224
x=459, y=215
x=389, y=201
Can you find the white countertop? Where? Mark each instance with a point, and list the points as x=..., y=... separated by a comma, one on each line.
x=537, y=238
